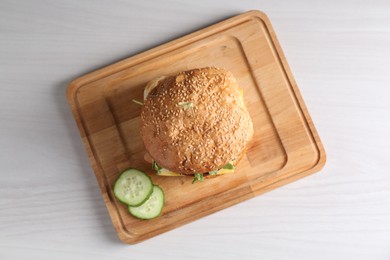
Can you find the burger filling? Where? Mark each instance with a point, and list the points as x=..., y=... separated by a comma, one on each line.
x=228, y=168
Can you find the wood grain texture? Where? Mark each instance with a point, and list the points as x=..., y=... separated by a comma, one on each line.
x=50, y=204
x=285, y=145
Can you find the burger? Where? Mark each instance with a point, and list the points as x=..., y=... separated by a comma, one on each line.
x=195, y=123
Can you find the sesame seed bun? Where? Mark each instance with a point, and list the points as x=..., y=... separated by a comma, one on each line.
x=195, y=121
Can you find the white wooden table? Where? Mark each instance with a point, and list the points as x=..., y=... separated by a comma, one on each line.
x=50, y=205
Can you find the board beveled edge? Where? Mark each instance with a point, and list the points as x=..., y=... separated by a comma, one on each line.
x=122, y=234
x=74, y=85
x=298, y=96
x=321, y=156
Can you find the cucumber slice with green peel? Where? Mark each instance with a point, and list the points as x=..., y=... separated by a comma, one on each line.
x=152, y=207
x=133, y=187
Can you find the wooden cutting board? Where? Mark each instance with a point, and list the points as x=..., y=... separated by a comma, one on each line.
x=285, y=147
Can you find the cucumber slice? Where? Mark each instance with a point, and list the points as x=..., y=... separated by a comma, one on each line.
x=152, y=207
x=133, y=187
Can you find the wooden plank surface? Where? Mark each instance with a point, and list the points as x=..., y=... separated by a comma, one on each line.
x=285, y=147
x=50, y=204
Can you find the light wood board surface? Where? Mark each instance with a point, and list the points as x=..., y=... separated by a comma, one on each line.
x=50, y=204
x=285, y=145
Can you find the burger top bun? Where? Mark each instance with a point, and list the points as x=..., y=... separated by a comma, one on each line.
x=195, y=121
